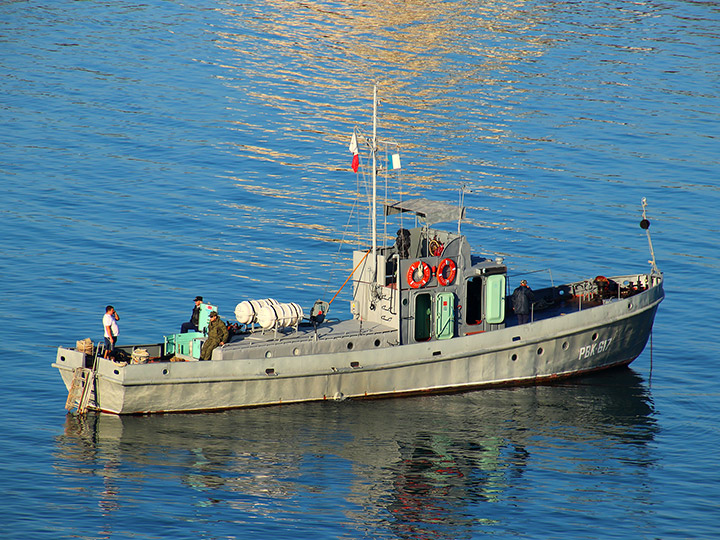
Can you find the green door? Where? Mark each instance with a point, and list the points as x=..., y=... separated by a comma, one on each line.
x=495, y=299
x=445, y=315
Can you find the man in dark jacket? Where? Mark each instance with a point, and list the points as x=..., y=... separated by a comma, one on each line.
x=522, y=300
x=192, y=324
x=217, y=335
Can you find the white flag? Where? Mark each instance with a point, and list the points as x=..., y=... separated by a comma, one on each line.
x=396, y=161
x=353, y=144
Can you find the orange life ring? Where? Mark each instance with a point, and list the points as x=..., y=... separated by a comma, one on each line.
x=425, y=274
x=451, y=271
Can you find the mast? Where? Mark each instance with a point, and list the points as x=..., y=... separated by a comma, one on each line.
x=374, y=186
x=645, y=224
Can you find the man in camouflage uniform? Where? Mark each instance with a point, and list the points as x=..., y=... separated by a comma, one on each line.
x=217, y=335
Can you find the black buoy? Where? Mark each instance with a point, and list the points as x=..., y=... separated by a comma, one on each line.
x=645, y=224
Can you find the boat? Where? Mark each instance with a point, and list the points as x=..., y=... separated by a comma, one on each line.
x=427, y=316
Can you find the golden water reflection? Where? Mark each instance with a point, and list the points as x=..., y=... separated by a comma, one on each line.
x=432, y=59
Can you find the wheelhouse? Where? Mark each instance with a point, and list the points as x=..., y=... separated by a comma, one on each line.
x=427, y=285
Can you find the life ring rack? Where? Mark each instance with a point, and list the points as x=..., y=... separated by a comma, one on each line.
x=451, y=267
x=426, y=274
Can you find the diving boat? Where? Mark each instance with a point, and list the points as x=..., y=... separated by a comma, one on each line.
x=428, y=316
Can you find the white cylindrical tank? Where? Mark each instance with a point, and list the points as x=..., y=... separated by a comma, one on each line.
x=297, y=314
x=267, y=316
x=246, y=312
x=279, y=315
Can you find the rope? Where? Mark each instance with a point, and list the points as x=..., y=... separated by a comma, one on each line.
x=348, y=278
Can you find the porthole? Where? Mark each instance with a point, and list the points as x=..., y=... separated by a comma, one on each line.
x=268, y=354
x=513, y=357
x=354, y=364
x=296, y=351
x=540, y=351
x=594, y=336
x=350, y=345
x=630, y=306
x=165, y=371
x=565, y=345
x=405, y=301
x=270, y=371
x=377, y=342
x=116, y=372
x=62, y=358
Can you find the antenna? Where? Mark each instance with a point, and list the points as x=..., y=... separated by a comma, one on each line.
x=645, y=224
x=462, y=202
x=374, y=185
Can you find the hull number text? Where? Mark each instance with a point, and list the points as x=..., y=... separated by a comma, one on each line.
x=595, y=348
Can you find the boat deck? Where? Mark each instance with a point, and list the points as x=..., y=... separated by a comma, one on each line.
x=330, y=336
x=333, y=328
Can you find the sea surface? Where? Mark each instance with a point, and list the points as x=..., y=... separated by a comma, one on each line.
x=151, y=151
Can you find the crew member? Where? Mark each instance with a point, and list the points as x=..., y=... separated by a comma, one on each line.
x=192, y=324
x=217, y=335
x=111, y=329
x=522, y=300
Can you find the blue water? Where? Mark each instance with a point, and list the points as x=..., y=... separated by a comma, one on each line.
x=153, y=151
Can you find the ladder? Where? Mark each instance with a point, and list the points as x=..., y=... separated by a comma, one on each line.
x=83, y=383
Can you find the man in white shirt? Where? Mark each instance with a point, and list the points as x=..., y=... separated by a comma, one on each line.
x=111, y=329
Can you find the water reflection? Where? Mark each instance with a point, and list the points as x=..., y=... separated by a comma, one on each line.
x=444, y=70
x=438, y=479
x=435, y=467
x=436, y=62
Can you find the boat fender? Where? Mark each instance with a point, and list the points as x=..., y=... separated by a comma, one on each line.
x=451, y=267
x=426, y=273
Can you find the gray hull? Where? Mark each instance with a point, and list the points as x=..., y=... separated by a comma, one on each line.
x=565, y=345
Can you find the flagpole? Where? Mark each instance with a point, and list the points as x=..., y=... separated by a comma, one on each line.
x=374, y=185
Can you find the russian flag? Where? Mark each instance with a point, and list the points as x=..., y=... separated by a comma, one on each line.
x=354, y=149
